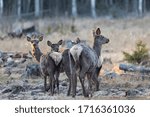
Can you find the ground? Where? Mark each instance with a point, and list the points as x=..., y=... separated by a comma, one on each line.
x=123, y=35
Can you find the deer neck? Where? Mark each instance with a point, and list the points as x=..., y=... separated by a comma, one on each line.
x=36, y=52
x=97, y=47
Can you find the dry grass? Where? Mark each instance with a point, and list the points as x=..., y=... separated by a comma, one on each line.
x=123, y=33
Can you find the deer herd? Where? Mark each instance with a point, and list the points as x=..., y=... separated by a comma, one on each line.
x=78, y=61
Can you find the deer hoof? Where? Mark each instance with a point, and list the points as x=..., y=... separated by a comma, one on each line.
x=86, y=95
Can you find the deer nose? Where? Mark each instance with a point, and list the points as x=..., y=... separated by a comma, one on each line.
x=107, y=41
x=34, y=44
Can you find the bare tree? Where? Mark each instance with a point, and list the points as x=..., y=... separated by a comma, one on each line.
x=93, y=2
x=74, y=8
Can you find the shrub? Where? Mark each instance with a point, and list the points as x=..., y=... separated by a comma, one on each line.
x=140, y=54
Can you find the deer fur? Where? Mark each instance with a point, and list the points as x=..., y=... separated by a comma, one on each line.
x=57, y=57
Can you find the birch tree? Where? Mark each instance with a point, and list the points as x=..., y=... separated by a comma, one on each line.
x=1, y=7
x=93, y=2
x=19, y=8
x=140, y=7
x=37, y=8
x=74, y=8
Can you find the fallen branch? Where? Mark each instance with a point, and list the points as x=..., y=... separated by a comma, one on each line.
x=134, y=68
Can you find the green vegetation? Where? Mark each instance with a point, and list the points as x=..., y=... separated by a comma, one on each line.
x=140, y=54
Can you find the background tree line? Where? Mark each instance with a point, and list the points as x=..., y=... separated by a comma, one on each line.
x=94, y=8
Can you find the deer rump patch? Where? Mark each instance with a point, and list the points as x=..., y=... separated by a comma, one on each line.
x=76, y=52
x=57, y=57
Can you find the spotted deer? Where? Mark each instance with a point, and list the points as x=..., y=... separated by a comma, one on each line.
x=49, y=63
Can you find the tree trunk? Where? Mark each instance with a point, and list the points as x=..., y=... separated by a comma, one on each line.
x=1, y=8
x=93, y=4
x=127, y=5
x=134, y=68
x=19, y=9
x=111, y=2
x=140, y=7
x=28, y=6
x=135, y=6
x=74, y=8
x=37, y=8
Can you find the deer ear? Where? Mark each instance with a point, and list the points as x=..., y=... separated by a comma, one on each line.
x=78, y=40
x=28, y=38
x=60, y=42
x=49, y=43
x=98, y=31
x=41, y=38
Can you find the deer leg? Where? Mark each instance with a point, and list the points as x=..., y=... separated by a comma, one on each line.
x=57, y=80
x=51, y=83
x=74, y=85
x=81, y=78
x=45, y=83
x=95, y=79
x=89, y=83
x=69, y=78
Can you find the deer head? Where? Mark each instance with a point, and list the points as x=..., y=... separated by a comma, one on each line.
x=98, y=38
x=34, y=40
x=54, y=47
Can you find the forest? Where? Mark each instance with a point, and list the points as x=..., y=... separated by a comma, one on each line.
x=76, y=8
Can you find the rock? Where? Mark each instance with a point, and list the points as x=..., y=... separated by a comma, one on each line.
x=1, y=54
x=101, y=93
x=35, y=92
x=6, y=90
x=19, y=61
x=7, y=71
x=145, y=63
x=110, y=74
x=64, y=83
x=32, y=70
x=1, y=61
x=17, y=88
x=132, y=92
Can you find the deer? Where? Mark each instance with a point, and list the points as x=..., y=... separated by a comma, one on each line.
x=88, y=60
x=49, y=63
x=99, y=40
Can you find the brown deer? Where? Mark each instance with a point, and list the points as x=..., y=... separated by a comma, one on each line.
x=49, y=63
x=87, y=60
